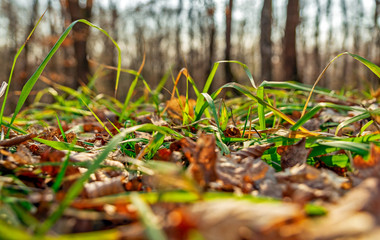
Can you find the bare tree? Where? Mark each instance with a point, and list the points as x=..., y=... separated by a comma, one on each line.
x=80, y=33
x=316, y=53
x=265, y=40
x=289, y=54
x=227, y=51
x=33, y=18
x=377, y=31
x=344, y=68
x=212, y=34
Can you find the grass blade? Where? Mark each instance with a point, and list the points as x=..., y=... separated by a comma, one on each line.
x=33, y=79
x=245, y=91
x=318, y=107
x=13, y=67
x=79, y=184
x=373, y=67
x=211, y=104
x=60, y=145
x=352, y=120
x=200, y=100
x=152, y=228
x=360, y=148
x=62, y=171
x=260, y=108
x=60, y=128
x=131, y=90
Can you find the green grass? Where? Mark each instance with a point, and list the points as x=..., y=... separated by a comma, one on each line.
x=211, y=115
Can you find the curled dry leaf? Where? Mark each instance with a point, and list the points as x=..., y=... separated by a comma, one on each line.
x=293, y=154
x=176, y=106
x=245, y=169
x=303, y=183
x=254, y=151
x=202, y=157
x=232, y=132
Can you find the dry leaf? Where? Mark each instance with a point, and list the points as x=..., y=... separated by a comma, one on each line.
x=111, y=186
x=230, y=219
x=370, y=167
x=202, y=157
x=175, y=107
x=245, y=170
x=232, y=132
x=293, y=154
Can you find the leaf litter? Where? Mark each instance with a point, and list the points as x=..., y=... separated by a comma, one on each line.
x=192, y=168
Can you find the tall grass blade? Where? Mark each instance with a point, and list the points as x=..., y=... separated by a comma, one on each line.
x=200, y=100
x=98, y=119
x=131, y=90
x=373, y=67
x=352, y=120
x=33, y=79
x=246, y=92
x=13, y=67
x=260, y=108
x=211, y=104
x=60, y=128
x=318, y=107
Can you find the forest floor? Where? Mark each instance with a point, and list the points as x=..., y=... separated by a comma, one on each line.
x=279, y=161
x=252, y=166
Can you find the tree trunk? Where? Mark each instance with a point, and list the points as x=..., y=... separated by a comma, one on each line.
x=211, y=42
x=265, y=40
x=289, y=54
x=316, y=55
x=344, y=68
x=227, y=52
x=32, y=20
x=178, y=44
x=80, y=33
x=114, y=19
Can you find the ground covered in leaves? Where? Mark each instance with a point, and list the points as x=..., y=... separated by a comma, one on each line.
x=209, y=168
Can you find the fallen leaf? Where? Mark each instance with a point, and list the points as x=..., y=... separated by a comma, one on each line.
x=231, y=219
x=202, y=157
x=293, y=154
x=245, y=169
x=371, y=166
x=175, y=107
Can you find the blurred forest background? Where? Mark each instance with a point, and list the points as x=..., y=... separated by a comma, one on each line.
x=278, y=40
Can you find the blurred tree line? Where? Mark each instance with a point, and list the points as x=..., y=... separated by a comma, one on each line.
x=278, y=39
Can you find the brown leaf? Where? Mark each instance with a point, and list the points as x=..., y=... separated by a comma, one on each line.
x=202, y=157
x=303, y=183
x=293, y=154
x=253, y=151
x=355, y=215
x=371, y=166
x=245, y=170
x=175, y=107
x=231, y=219
x=232, y=132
